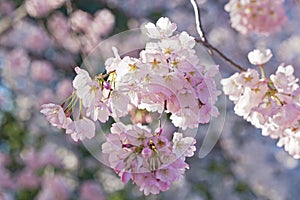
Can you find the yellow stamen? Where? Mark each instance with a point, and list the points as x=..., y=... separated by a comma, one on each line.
x=132, y=67
x=168, y=51
x=174, y=63
x=155, y=63
x=248, y=78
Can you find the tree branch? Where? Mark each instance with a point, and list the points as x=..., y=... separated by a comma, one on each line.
x=203, y=40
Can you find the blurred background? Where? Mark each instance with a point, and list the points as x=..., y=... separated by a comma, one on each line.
x=40, y=44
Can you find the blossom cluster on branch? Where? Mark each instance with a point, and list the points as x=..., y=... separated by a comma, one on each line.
x=270, y=103
x=259, y=16
x=149, y=159
x=168, y=77
x=165, y=79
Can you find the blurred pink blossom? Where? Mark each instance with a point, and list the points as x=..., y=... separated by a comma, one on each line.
x=37, y=8
x=103, y=22
x=34, y=159
x=54, y=187
x=63, y=34
x=263, y=17
x=64, y=89
x=27, y=179
x=6, y=180
x=80, y=20
x=90, y=190
x=42, y=70
x=6, y=7
x=16, y=63
x=33, y=37
x=45, y=96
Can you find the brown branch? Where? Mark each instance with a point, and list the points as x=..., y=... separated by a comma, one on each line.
x=222, y=55
x=203, y=40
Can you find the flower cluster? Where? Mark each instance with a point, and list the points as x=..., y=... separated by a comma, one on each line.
x=166, y=78
x=272, y=104
x=82, y=31
x=150, y=160
x=263, y=17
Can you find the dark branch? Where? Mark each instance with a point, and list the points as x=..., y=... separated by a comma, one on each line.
x=203, y=40
x=222, y=55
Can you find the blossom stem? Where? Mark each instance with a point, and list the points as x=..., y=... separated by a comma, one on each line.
x=72, y=103
x=261, y=67
x=80, y=109
x=203, y=40
x=279, y=101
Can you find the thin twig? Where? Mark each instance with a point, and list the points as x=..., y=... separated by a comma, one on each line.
x=203, y=40
x=222, y=55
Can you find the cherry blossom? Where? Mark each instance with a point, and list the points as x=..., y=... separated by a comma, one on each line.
x=259, y=57
x=149, y=160
x=262, y=17
x=81, y=129
x=86, y=89
x=166, y=78
x=163, y=28
x=271, y=104
x=55, y=115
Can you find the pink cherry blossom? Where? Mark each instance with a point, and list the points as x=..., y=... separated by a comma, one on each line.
x=165, y=78
x=272, y=104
x=166, y=73
x=86, y=89
x=163, y=28
x=259, y=57
x=262, y=17
x=149, y=160
x=284, y=80
x=183, y=146
x=55, y=115
x=81, y=129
